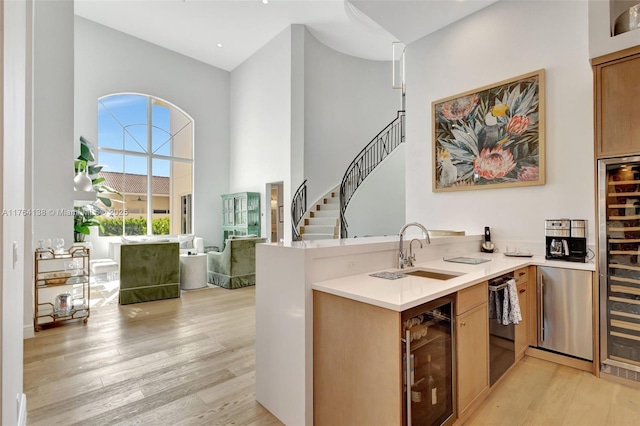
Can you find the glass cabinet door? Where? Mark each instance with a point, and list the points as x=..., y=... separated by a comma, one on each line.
x=430, y=369
x=227, y=212
x=621, y=255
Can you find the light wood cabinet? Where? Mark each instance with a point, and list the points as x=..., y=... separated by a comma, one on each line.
x=522, y=329
x=532, y=307
x=521, y=340
x=357, y=368
x=360, y=360
x=617, y=103
x=472, y=347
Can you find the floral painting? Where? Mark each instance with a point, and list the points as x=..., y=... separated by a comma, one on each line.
x=491, y=137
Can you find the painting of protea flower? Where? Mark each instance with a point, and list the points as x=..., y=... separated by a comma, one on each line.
x=490, y=137
x=493, y=163
x=457, y=109
x=528, y=173
x=517, y=125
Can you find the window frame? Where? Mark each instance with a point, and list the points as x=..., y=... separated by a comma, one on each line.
x=150, y=156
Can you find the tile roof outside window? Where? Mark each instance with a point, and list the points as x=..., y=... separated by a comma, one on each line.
x=129, y=183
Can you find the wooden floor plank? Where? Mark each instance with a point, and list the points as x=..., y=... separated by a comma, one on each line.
x=537, y=392
x=148, y=363
x=191, y=361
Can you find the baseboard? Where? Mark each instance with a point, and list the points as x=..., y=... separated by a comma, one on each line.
x=22, y=409
x=560, y=359
x=27, y=332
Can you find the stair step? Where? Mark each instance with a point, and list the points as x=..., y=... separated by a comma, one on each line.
x=326, y=213
x=326, y=221
x=308, y=237
x=318, y=229
x=328, y=206
x=332, y=200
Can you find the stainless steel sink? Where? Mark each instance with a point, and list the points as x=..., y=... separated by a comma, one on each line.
x=424, y=273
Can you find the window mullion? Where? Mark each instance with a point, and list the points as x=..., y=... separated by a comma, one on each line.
x=149, y=169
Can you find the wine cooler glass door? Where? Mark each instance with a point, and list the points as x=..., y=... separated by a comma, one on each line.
x=429, y=369
x=619, y=248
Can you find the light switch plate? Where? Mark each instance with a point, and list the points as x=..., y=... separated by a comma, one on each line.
x=15, y=254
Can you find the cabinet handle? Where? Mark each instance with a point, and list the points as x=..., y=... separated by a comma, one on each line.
x=521, y=273
x=522, y=290
x=463, y=323
x=541, y=319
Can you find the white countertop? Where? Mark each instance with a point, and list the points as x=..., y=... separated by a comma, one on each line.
x=405, y=293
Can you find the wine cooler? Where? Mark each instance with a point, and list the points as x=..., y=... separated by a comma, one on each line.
x=619, y=265
x=428, y=364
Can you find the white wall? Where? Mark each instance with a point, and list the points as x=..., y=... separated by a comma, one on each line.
x=108, y=61
x=261, y=122
x=13, y=16
x=600, y=40
x=300, y=110
x=348, y=101
x=53, y=118
x=378, y=206
x=505, y=40
x=51, y=135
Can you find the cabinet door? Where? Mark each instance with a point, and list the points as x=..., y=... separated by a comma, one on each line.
x=617, y=98
x=521, y=330
x=532, y=308
x=472, y=331
x=227, y=212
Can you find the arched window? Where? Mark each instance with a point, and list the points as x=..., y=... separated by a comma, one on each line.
x=146, y=146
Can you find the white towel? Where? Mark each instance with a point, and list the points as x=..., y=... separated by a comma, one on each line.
x=510, y=304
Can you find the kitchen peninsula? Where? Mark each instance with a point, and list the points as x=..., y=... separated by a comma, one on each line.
x=287, y=275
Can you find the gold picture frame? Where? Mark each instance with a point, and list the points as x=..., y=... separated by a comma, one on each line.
x=491, y=137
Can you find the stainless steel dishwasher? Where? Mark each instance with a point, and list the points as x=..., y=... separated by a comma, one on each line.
x=565, y=311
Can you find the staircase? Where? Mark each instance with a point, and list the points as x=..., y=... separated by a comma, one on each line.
x=322, y=222
x=327, y=219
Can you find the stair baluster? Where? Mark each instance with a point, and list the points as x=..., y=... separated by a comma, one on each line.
x=298, y=209
x=367, y=160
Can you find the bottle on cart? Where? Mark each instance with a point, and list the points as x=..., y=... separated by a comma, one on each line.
x=432, y=393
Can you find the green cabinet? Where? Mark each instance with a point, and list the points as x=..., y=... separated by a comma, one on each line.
x=240, y=214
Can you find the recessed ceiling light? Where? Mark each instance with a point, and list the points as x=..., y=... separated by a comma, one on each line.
x=219, y=45
x=265, y=1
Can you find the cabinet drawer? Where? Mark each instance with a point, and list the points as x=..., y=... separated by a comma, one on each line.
x=471, y=296
x=521, y=275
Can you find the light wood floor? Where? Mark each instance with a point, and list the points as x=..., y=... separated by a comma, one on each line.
x=537, y=392
x=188, y=361
x=191, y=361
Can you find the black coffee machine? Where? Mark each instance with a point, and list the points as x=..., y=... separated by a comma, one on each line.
x=566, y=239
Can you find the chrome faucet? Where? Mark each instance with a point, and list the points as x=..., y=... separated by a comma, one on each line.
x=402, y=259
x=412, y=257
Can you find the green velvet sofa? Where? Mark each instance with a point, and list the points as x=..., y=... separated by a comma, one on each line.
x=235, y=266
x=149, y=271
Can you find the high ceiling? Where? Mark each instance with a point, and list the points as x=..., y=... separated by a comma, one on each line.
x=195, y=27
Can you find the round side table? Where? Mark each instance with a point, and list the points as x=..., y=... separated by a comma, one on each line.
x=193, y=271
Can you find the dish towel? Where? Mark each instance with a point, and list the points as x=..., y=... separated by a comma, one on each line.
x=495, y=305
x=510, y=304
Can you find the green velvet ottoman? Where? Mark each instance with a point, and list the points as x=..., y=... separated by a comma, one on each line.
x=149, y=272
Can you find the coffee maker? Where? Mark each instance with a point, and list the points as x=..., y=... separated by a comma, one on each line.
x=566, y=239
